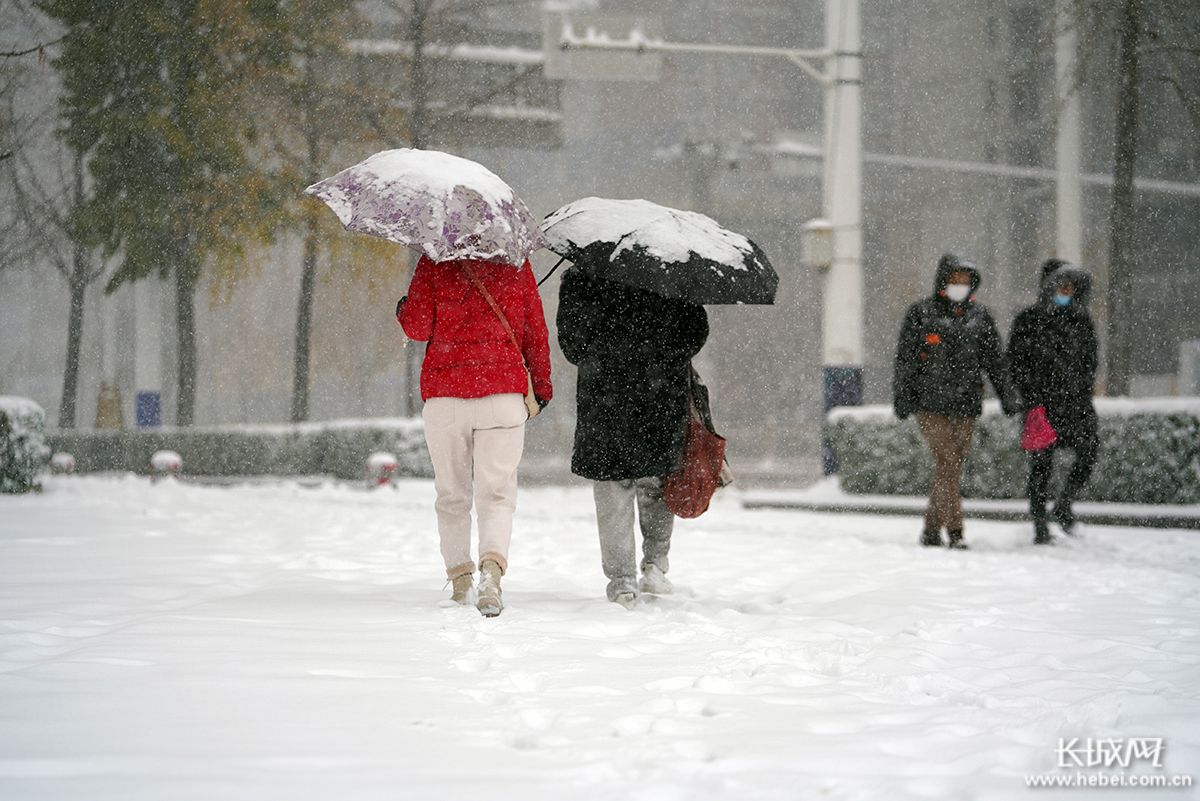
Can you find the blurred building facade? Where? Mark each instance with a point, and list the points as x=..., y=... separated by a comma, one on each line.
x=959, y=129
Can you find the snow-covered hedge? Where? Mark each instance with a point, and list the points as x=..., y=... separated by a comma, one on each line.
x=23, y=452
x=1149, y=453
x=337, y=448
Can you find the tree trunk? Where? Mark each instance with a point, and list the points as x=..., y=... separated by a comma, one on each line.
x=1122, y=221
x=186, y=276
x=78, y=280
x=312, y=128
x=304, y=323
x=70, y=390
x=418, y=78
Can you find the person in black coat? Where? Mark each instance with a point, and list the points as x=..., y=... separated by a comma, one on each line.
x=947, y=343
x=1052, y=350
x=633, y=350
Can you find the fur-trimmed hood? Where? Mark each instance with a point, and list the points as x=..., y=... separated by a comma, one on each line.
x=951, y=263
x=1056, y=272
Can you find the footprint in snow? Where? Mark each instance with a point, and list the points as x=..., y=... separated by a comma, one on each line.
x=511, y=651
x=640, y=725
x=471, y=664
x=608, y=629
x=617, y=652
x=633, y=725
x=630, y=651
x=695, y=706
x=714, y=684
x=525, y=741
x=694, y=751
x=488, y=697
x=528, y=682
x=537, y=719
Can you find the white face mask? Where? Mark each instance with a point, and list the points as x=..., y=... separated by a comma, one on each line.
x=958, y=292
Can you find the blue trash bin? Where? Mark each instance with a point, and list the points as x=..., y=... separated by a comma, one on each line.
x=149, y=409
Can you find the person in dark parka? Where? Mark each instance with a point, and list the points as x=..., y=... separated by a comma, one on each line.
x=1052, y=352
x=633, y=350
x=947, y=343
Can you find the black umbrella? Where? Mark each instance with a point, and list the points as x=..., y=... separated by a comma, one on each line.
x=676, y=254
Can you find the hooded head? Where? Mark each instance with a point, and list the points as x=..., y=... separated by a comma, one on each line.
x=1056, y=273
x=1049, y=266
x=950, y=264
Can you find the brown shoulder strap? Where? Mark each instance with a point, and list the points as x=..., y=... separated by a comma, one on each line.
x=495, y=307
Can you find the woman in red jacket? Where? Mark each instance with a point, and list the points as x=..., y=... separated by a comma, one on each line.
x=473, y=382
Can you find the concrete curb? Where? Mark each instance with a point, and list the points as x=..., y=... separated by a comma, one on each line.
x=1101, y=518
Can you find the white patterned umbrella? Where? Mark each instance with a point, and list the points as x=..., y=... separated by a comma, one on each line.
x=443, y=206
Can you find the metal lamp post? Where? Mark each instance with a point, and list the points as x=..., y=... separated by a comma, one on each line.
x=842, y=296
x=841, y=232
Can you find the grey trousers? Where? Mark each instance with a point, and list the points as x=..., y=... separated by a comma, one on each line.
x=615, y=502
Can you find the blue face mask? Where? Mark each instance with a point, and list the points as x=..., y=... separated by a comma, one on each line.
x=1062, y=300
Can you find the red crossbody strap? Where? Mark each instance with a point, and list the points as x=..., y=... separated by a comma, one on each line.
x=496, y=308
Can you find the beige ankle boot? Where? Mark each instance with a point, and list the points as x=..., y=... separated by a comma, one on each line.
x=489, y=603
x=461, y=588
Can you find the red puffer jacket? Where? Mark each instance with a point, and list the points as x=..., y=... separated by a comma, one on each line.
x=470, y=355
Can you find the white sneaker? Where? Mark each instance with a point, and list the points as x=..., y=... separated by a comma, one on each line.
x=655, y=582
x=627, y=599
x=623, y=591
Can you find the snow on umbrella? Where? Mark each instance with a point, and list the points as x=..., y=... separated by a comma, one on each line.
x=443, y=206
x=677, y=254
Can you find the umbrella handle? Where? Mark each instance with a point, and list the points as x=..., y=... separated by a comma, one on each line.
x=552, y=269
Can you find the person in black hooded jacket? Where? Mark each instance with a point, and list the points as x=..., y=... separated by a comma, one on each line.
x=633, y=349
x=1052, y=350
x=947, y=343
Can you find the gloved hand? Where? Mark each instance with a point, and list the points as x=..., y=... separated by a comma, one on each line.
x=400, y=305
x=542, y=404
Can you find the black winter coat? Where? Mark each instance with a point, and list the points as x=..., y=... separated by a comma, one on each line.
x=1052, y=353
x=632, y=348
x=943, y=352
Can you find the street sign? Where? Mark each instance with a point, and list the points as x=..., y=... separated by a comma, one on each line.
x=592, y=26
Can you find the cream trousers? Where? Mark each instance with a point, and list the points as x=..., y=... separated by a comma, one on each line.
x=475, y=445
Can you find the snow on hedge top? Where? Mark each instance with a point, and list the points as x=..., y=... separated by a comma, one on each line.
x=400, y=425
x=17, y=407
x=1105, y=407
x=671, y=235
x=442, y=205
x=1126, y=407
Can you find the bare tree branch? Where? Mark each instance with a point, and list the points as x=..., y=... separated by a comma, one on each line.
x=1094, y=23
x=1168, y=49
x=519, y=78
x=381, y=130
x=48, y=204
x=34, y=49
x=1189, y=100
x=41, y=241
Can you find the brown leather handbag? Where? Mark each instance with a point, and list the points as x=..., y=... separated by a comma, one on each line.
x=532, y=407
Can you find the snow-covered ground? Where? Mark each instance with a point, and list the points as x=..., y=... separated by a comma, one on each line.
x=179, y=642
